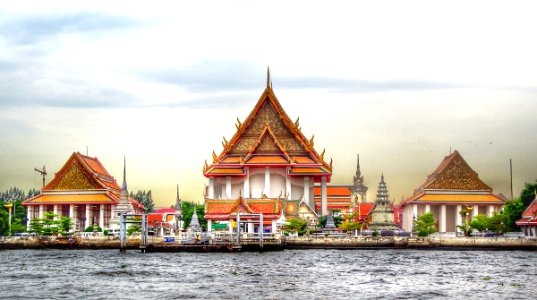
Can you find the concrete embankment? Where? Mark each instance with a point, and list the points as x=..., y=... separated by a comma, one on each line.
x=158, y=244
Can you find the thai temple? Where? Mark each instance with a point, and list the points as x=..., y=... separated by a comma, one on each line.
x=267, y=167
x=84, y=191
x=382, y=215
x=450, y=188
x=528, y=223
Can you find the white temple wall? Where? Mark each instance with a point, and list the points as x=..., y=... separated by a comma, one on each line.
x=451, y=218
x=237, y=184
x=257, y=184
x=297, y=187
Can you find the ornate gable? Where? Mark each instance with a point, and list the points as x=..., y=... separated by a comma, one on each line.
x=73, y=178
x=455, y=174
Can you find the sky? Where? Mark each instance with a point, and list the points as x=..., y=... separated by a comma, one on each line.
x=399, y=82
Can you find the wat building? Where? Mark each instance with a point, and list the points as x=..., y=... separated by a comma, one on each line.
x=267, y=167
x=84, y=191
x=528, y=222
x=452, y=187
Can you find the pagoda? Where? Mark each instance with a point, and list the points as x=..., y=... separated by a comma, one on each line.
x=84, y=191
x=194, y=222
x=454, y=185
x=267, y=167
x=382, y=216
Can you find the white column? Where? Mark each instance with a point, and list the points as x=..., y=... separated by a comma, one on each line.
x=288, y=186
x=211, y=188
x=231, y=226
x=72, y=212
x=30, y=213
x=490, y=210
x=273, y=226
x=443, y=218
x=209, y=226
x=427, y=208
x=475, y=211
x=458, y=217
x=228, y=187
x=41, y=211
x=324, y=204
x=88, y=217
x=266, y=190
x=306, y=194
x=101, y=216
x=414, y=212
x=56, y=211
x=246, y=190
x=250, y=227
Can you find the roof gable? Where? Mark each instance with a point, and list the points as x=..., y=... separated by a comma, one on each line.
x=82, y=173
x=268, y=115
x=454, y=173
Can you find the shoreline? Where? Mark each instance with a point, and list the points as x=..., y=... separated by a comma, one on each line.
x=158, y=244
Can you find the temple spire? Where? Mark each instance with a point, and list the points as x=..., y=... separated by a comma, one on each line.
x=358, y=181
x=358, y=172
x=124, y=187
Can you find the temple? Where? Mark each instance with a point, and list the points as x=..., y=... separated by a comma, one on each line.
x=450, y=188
x=267, y=167
x=382, y=215
x=528, y=222
x=84, y=191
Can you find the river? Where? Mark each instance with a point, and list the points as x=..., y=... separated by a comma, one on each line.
x=289, y=274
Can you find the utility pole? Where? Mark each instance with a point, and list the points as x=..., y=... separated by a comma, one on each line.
x=43, y=173
x=511, y=173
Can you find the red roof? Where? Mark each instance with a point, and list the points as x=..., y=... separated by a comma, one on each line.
x=529, y=216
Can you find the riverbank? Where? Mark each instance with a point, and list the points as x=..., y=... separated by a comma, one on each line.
x=159, y=244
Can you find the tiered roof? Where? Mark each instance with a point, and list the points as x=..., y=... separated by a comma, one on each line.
x=82, y=180
x=337, y=197
x=226, y=209
x=454, y=181
x=268, y=137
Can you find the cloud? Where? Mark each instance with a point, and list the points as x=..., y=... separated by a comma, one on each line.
x=29, y=29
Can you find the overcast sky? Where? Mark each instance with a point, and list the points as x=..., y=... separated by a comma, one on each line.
x=398, y=82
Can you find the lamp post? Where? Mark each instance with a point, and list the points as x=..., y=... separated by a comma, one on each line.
x=9, y=206
x=467, y=209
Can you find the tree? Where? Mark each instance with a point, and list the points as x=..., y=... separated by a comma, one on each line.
x=144, y=198
x=528, y=193
x=425, y=224
x=296, y=224
x=350, y=225
x=512, y=212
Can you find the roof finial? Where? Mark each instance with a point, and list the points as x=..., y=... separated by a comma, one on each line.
x=268, y=77
x=178, y=200
x=124, y=173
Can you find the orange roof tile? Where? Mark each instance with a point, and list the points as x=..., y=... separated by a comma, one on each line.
x=71, y=199
x=459, y=198
x=302, y=159
x=234, y=171
x=267, y=159
x=333, y=191
x=312, y=170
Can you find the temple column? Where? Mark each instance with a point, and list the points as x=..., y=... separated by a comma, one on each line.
x=41, y=211
x=458, y=218
x=490, y=211
x=274, y=226
x=246, y=188
x=211, y=188
x=72, y=212
x=88, y=217
x=306, y=194
x=427, y=208
x=30, y=214
x=288, y=185
x=324, y=204
x=231, y=226
x=414, y=211
x=209, y=226
x=56, y=211
x=267, y=182
x=251, y=228
x=475, y=211
x=228, y=187
x=101, y=216
x=442, y=218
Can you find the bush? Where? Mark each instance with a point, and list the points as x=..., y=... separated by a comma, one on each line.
x=90, y=229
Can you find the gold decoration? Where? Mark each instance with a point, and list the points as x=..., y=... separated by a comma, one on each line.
x=74, y=179
x=311, y=140
x=214, y=157
x=297, y=122
x=238, y=125
x=458, y=176
x=322, y=154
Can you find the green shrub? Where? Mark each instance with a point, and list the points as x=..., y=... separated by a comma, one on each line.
x=90, y=229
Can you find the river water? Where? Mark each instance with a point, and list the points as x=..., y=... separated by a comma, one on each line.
x=290, y=274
